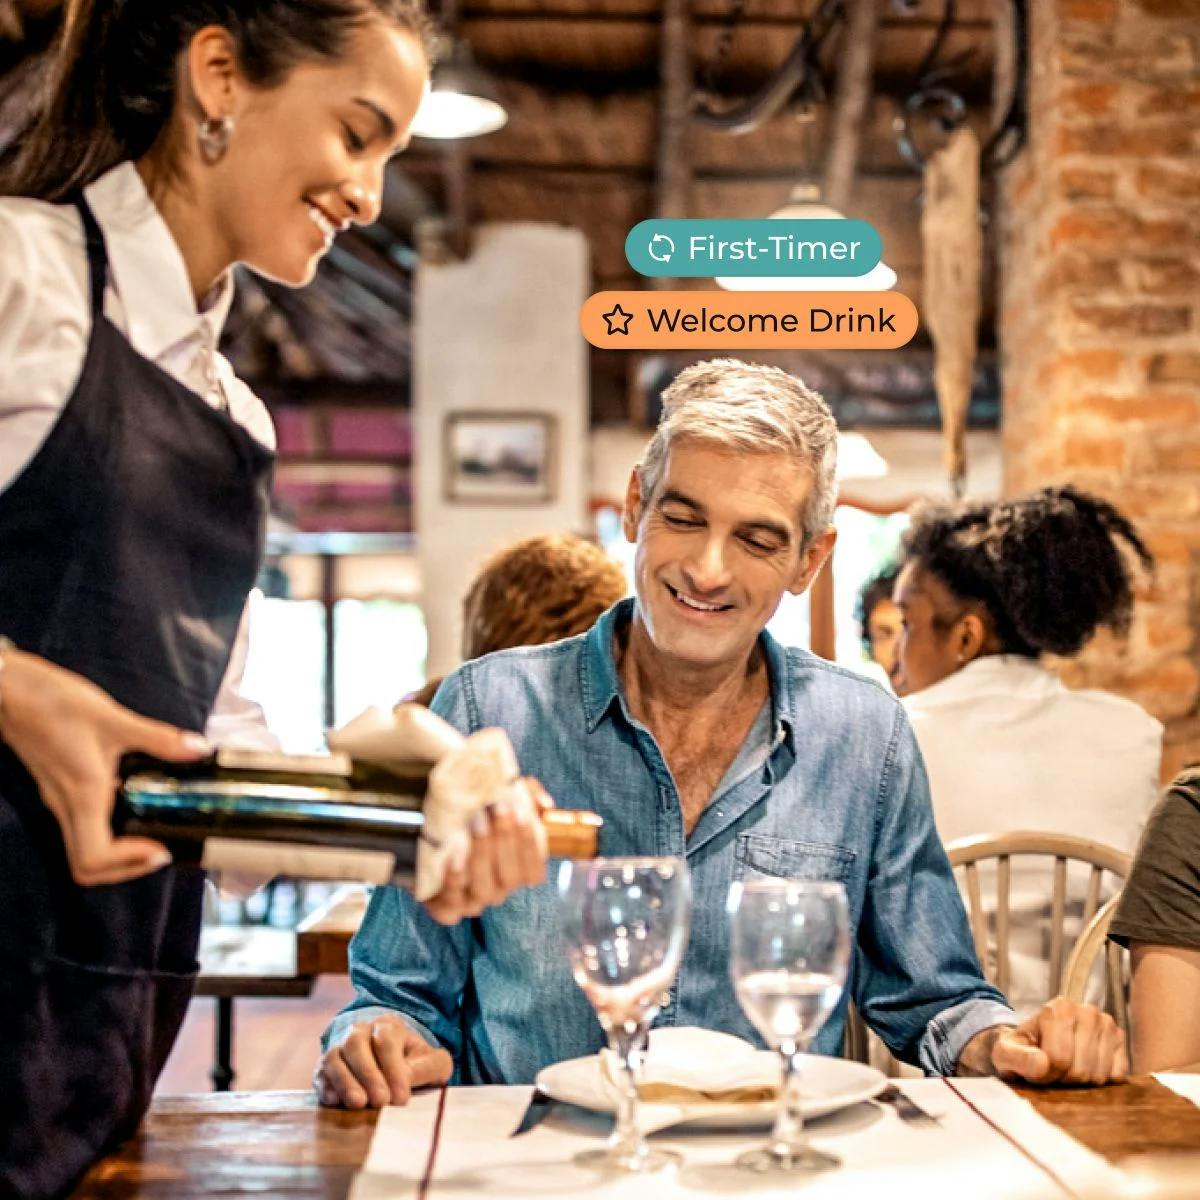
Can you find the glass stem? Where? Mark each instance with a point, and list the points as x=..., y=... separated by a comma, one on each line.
x=627, y=1041
x=788, y=1135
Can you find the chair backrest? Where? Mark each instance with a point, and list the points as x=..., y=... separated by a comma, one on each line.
x=862, y=1044
x=968, y=853
x=1091, y=943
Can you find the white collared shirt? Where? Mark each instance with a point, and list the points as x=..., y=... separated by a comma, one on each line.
x=1010, y=748
x=45, y=325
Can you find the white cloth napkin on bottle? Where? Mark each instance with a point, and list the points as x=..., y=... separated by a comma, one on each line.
x=470, y=774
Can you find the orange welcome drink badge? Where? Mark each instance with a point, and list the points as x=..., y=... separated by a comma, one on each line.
x=729, y=320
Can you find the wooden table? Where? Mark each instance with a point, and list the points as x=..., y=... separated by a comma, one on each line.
x=323, y=938
x=282, y=1144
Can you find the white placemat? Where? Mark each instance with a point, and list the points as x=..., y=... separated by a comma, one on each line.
x=980, y=1151
x=1187, y=1086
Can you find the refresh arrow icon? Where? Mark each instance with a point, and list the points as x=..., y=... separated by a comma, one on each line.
x=661, y=248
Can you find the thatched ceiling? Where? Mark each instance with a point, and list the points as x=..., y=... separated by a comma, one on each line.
x=580, y=79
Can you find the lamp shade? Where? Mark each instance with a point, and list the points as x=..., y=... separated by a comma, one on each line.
x=802, y=205
x=463, y=100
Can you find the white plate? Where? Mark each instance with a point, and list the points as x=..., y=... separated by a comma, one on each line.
x=826, y=1084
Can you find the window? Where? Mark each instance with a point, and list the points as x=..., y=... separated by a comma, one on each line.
x=379, y=650
x=379, y=654
x=285, y=671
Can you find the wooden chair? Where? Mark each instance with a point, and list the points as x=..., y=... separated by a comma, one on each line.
x=1093, y=942
x=861, y=1044
x=967, y=854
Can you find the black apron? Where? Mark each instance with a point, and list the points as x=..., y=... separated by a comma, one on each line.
x=127, y=548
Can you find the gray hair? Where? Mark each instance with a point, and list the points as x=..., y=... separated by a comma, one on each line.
x=751, y=407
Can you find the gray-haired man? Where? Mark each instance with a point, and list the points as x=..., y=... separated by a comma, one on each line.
x=695, y=734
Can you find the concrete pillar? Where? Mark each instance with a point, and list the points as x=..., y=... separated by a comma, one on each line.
x=496, y=333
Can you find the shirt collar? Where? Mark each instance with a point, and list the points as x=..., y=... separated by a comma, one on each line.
x=147, y=268
x=602, y=685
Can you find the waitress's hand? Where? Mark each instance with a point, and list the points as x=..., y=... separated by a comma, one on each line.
x=505, y=855
x=70, y=735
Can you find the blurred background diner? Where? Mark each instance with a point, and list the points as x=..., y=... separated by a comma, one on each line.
x=540, y=589
x=879, y=620
x=435, y=403
x=985, y=593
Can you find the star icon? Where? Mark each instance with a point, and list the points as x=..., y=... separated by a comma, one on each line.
x=617, y=320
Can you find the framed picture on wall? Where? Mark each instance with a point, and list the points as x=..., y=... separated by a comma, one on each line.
x=499, y=458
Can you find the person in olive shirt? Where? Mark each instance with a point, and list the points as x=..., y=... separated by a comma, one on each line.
x=1158, y=918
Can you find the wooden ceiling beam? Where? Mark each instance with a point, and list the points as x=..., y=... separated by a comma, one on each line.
x=851, y=101
x=673, y=168
x=617, y=50
x=703, y=12
x=587, y=171
x=573, y=129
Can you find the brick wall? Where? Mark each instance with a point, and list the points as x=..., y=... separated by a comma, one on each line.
x=1100, y=314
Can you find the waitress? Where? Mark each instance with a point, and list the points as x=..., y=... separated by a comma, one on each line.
x=178, y=140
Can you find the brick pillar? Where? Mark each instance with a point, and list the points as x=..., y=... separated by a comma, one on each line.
x=1100, y=314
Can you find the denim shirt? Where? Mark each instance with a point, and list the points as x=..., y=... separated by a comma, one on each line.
x=828, y=785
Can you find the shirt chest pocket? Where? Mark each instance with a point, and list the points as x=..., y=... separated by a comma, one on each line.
x=759, y=856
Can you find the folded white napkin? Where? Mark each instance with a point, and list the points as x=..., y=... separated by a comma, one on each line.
x=471, y=774
x=686, y=1065
x=406, y=733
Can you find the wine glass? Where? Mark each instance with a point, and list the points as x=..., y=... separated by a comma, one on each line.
x=789, y=956
x=626, y=923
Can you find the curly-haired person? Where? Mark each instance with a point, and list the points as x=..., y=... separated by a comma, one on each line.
x=537, y=590
x=984, y=592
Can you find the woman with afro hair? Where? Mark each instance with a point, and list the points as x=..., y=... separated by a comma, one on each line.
x=984, y=592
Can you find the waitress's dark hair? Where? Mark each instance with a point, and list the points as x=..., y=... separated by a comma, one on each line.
x=1048, y=567
x=111, y=87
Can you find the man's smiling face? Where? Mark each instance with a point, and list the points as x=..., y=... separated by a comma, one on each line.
x=718, y=543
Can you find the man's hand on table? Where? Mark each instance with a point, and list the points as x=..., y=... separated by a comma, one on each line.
x=379, y=1062
x=1063, y=1042
x=506, y=855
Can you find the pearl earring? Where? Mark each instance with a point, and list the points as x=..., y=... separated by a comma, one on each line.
x=213, y=135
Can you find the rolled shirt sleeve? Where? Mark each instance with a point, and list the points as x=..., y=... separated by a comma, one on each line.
x=917, y=981
x=402, y=962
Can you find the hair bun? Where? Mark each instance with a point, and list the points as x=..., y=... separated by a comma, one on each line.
x=1051, y=567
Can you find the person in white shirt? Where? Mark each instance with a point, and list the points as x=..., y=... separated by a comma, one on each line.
x=984, y=591
x=175, y=141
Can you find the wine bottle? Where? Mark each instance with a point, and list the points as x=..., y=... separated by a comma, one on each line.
x=317, y=817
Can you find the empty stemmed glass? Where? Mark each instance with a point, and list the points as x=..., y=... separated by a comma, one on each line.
x=789, y=956
x=626, y=923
